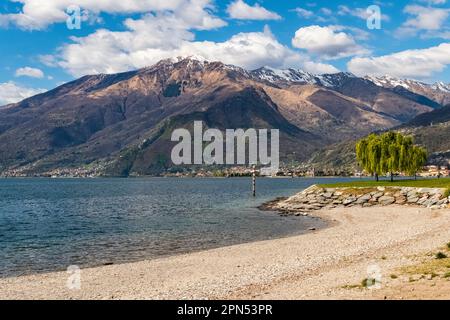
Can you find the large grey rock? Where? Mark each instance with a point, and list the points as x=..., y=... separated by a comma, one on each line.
x=348, y=200
x=377, y=195
x=412, y=199
x=412, y=194
x=431, y=202
x=430, y=191
x=422, y=200
x=400, y=200
x=386, y=200
x=363, y=199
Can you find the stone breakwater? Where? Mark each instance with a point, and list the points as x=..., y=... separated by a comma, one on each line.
x=317, y=198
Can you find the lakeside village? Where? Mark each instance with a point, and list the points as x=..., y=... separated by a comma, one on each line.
x=228, y=172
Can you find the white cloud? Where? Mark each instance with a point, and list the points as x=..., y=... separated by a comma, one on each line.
x=38, y=14
x=29, y=72
x=242, y=11
x=165, y=34
x=10, y=92
x=153, y=38
x=303, y=13
x=327, y=42
x=146, y=40
x=425, y=18
x=319, y=68
x=326, y=11
x=48, y=59
x=419, y=63
x=427, y=22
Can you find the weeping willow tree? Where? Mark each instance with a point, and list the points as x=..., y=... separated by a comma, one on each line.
x=368, y=153
x=390, y=152
x=417, y=160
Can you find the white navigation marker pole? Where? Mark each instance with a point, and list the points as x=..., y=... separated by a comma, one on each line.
x=254, y=181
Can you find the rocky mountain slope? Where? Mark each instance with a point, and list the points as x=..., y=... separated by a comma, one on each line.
x=122, y=123
x=431, y=130
x=438, y=92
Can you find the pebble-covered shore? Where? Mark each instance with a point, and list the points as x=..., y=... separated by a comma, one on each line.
x=317, y=198
x=319, y=264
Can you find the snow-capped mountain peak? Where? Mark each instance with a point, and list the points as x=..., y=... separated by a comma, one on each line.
x=439, y=91
x=441, y=86
x=334, y=80
x=274, y=75
x=391, y=82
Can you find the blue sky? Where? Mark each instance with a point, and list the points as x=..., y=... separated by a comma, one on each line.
x=39, y=51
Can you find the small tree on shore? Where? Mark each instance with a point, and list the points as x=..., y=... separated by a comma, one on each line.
x=368, y=153
x=390, y=152
x=418, y=159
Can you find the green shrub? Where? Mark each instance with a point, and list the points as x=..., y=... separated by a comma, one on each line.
x=367, y=283
x=447, y=193
x=440, y=255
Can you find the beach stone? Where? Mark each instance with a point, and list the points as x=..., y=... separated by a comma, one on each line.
x=400, y=200
x=422, y=200
x=430, y=202
x=348, y=200
x=404, y=191
x=327, y=195
x=381, y=188
x=386, y=200
x=367, y=204
x=363, y=199
x=377, y=195
x=430, y=191
x=412, y=199
x=298, y=214
x=412, y=194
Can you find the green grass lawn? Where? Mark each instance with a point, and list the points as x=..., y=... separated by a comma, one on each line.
x=419, y=183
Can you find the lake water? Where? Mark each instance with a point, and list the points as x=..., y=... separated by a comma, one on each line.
x=49, y=224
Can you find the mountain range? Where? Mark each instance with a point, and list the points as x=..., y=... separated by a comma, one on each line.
x=121, y=124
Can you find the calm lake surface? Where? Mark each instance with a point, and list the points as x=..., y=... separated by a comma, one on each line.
x=49, y=224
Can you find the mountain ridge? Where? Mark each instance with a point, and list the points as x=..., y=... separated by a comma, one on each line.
x=98, y=118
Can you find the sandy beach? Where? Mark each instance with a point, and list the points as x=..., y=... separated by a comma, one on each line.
x=323, y=264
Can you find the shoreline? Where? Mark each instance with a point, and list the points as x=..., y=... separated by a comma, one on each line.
x=287, y=268
x=326, y=224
